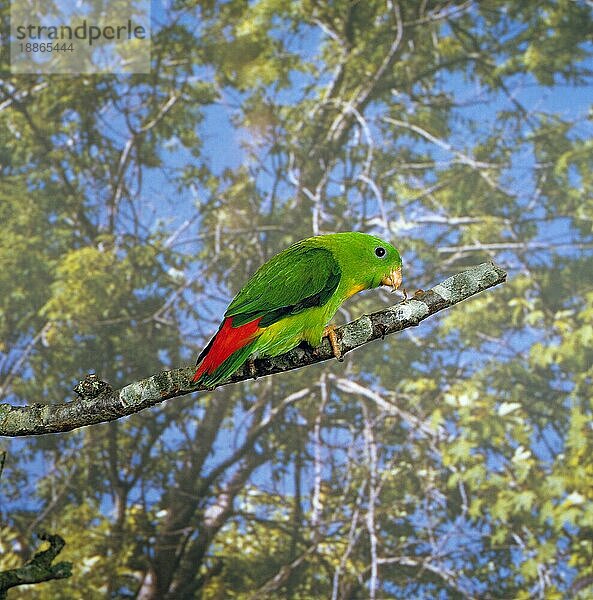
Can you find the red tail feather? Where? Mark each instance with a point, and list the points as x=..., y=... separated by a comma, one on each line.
x=229, y=339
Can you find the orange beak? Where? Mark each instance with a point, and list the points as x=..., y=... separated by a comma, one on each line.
x=394, y=279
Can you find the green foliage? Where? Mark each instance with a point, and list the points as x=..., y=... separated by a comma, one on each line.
x=453, y=461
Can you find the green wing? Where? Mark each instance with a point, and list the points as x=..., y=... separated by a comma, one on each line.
x=298, y=278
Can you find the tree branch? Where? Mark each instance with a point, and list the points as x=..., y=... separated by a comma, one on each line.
x=39, y=568
x=98, y=402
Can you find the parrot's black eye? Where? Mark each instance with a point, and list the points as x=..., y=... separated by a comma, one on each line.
x=380, y=251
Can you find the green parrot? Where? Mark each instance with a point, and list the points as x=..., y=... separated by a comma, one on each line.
x=293, y=296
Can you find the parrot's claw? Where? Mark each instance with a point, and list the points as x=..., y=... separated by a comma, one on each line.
x=251, y=368
x=330, y=333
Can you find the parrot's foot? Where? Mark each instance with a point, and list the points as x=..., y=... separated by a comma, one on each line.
x=251, y=368
x=330, y=333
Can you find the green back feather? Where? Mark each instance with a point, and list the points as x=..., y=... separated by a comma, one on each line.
x=298, y=278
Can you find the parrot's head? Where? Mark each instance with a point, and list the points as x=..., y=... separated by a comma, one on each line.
x=385, y=264
x=370, y=261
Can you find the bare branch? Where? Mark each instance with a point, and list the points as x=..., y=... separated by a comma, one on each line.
x=502, y=246
x=462, y=158
x=98, y=402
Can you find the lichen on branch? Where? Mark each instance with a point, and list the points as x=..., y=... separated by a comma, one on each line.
x=98, y=402
x=39, y=568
